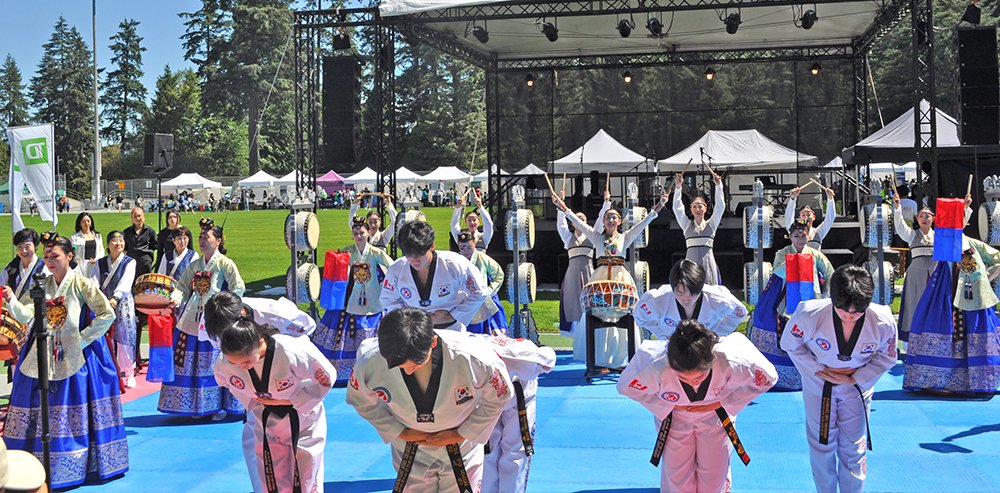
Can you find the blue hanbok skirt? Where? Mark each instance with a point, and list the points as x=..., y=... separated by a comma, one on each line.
x=766, y=324
x=949, y=349
x=496, y=323
x=338, y=336
x=194, y=391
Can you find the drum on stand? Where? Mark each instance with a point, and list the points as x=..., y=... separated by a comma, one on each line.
x=152, y=293
x=523, y=221
x=609, y=300
x=633, y=216
x=306, y=281
x=869, y=236
x=523, y=283
x=641, y=275
x=750, y=239
x=302, y=231
x=886, y=282
x=13, y=335
x=989, y=223
x=750, y=277
x=409, y=216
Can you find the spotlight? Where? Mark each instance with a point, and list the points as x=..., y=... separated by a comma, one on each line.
x=808, y=19
x=530, y=80
x=655, y=26
x=551, y=31
x=627, y=77
x=733, y=22
x=710, y=73
x=815, y=69
x=481, y=34
x=625, y=27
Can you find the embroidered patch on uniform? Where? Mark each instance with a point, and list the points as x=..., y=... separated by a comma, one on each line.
x=443, y=291
x=823, y=344
x=864, y=466
x=645, y=307
x=759, y=378
x=728, y=486
x=462, y=395
x=237, y=382
x=501, y=340
x=670, y=396
x=322, y=377
x=739, y=311
x=636, y=385
x=383, y=393
x=868, y=348
x=388, y=285
x=670, y=322
x=471, y=285
x=296, y=328
x=796, y=331
x=284, y=384
x=353, y=382
x=405, y=293
x=499, y=384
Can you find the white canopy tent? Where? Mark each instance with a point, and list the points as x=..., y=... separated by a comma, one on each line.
x=531, y=170
x=738, y=149
x=602, y=153
x=910, y=168
x=895, y=140
x=446, y=174
x=484, y=174
x=289, y=179
x=404, y=175
x=259, y=179
x=366, y=176
x=194, y=181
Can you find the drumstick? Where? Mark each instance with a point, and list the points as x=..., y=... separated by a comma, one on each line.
x=686, y=165
x=819, y=184
x=968, y=189
x=607, y=183
x=553, y=190
x=893, y=181
x=710, y=170
x=564, y=184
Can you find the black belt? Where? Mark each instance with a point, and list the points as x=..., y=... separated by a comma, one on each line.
x=727, y=423
x=661, y=440
x=824, y=414
x=405, y=466
x=522, y=420
x=293, y=419
x=454, y=456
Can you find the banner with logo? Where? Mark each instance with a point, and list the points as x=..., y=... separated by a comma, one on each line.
x=32, y=163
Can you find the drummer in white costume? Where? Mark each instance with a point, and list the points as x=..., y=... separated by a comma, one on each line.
x=687, y=297
x=281, y=380
x=581, y=257
x=695, y=385
x=511, y=444
x=434, y=395
x=815, y=236
x=699, y=233
x=378, y=237
x=445, y=284
x=472, y=221
x=841, y=346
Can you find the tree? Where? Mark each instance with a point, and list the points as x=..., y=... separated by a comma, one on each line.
x=124, y=97
x=13, y=103
x=176, y=110
x=62, y=91
x=206, y=44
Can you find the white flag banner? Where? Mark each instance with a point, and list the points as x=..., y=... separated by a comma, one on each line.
x=32, y=163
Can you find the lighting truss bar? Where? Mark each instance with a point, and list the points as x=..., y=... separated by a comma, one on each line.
x=891, y=16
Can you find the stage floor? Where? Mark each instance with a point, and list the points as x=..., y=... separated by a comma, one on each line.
x=590, y=439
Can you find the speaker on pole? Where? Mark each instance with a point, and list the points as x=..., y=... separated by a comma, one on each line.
x=341, y=115
x=159, y=153
x=979, y=85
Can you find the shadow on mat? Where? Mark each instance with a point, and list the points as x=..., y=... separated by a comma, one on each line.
x=904, y=395
x=977, y=430
x=359, y=486
x=622, y=490
x=945, y=448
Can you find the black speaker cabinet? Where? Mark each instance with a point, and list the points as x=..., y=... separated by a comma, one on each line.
x=979, y=86
x=159, y=152
x=341, y=115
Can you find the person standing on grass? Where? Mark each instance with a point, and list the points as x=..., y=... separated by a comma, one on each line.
x=88, y=244
x=164, y=239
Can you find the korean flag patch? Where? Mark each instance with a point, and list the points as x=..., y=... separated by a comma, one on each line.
x=868, y=348
x=462, y=395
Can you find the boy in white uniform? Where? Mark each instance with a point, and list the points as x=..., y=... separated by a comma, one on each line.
x=444, y=284
x=434, y=395
x=841, y=346
x=687, y=297
x=695, y=385
x=512, y=442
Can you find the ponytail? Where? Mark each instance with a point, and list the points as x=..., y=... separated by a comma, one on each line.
x=243, y=337
x=691, y=347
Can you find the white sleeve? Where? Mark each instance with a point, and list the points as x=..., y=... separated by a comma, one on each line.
x=352, y=214
x=389, y=298
x=599, y=222
x=487, y=226
x=720, y=206
x=636, y=229
x=589, y=232
x=640, y=381
x=455, y=218
x=476, y=290
x=734, y=313
x=830, y=216
x=390, y=229
x=162, y=269
x=754, y=375
x=370, y=407
x=562, y=227
x=678, y=206
x=313, y=373
x=124, y=287
x=804, y=360
x=492, y=382
x=790, y=212
x=903, y=230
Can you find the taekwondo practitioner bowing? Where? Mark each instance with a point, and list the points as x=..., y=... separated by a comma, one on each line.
x=434, y=395
x=814, y=236
x=695, y=384
x=445, y=284
x=511, y=445
x=281, y=380
x=841, y=346
x=688, y=298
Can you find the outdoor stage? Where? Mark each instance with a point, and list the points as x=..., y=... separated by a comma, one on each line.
x=591, y=439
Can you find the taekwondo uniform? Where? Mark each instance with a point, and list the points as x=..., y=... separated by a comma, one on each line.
x=454, y=285
x=468, y=390
x=814, y=340
x=717, y=309
x=695, y=445
x=511, y=443
x=293, y=369
x=814, y=236
x=281, y=314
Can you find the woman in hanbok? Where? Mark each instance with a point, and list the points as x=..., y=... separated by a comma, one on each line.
x=472, y=221
x=87, y=243
x=193, y=392
x=378, y=237
x=177, y=259
x=699, y=233
x=115, y=275
x=579, y=269
x=340, y=331
x=922, y=263
x=772, y=312
x=85, y=412
x=611, y=347
x=491, y=317
x=18, y=273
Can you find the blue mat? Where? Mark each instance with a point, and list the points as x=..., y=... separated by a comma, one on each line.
x=590, y=439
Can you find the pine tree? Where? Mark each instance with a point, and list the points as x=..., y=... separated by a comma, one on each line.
x=63, y=90
x=124, y=97
x=13, y=103
x=206, y=44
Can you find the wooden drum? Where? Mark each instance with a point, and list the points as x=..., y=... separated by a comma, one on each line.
x=750, y=276
x=989, y=223
x=302, y=231
x=152, y=293
x=750, y=239
x=609, y=300
x=869, y=235
x=306, y=281
x=523, y=283
x=524, y=237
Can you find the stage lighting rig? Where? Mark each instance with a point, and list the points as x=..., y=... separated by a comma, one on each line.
x=815, y=69
x=627, y=77
x=480, y=33
x=655, y=26
x=710, y=73
x=733, y=22
x=550, y=31
x=529, y=80
x=808, y=19
x=625, y=27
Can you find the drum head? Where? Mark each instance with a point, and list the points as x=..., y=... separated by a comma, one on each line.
x=522, y=223
x=310, y=225
x=641, y=277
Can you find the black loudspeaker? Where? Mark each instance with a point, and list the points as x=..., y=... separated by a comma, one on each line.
x=341, y=115
x=979, y=85
x=159, y=152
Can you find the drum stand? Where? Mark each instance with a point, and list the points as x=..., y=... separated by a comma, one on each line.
x=594, y=323
x=518, y=327
x=757, y=238
x=877, y=253
x=300, y=257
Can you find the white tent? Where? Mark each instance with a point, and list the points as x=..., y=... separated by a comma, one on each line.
x=895, y=141
x=738, y=149
x=483, y=175
x=909, y=168
x=289, y=179
x=259, y=179
x=530, y=170
x=602, y=153
x=404, y=175
x=194, y=181
x=447, y=174
x=366, y=176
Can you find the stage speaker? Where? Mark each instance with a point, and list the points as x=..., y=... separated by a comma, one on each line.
x=979, y=85
x=341, y=115
x=159, y=152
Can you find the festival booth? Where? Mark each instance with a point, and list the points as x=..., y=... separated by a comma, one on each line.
x=601, y=153
x=259, y=183
x=200, y=187
x=446, y=174
x=331, y=181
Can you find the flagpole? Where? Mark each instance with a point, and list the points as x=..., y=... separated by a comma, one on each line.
x=97, y=116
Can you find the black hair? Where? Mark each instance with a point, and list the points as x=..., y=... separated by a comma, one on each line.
x=112, y=234
x=691, y=347
x=373, y=212
x=180, y=231
x=415, y=238
x=851, y=287
x=221, y=311
x=689, y=274
x=695, y=195
x=465, y=237
x=79, y=219
x=26, y=234
x=798, y=225
x=360, y=222
x=904, y=190
x=63, y=243
x=405, y=334
x=217, y=232
x=243, y=336
x=472, y=213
